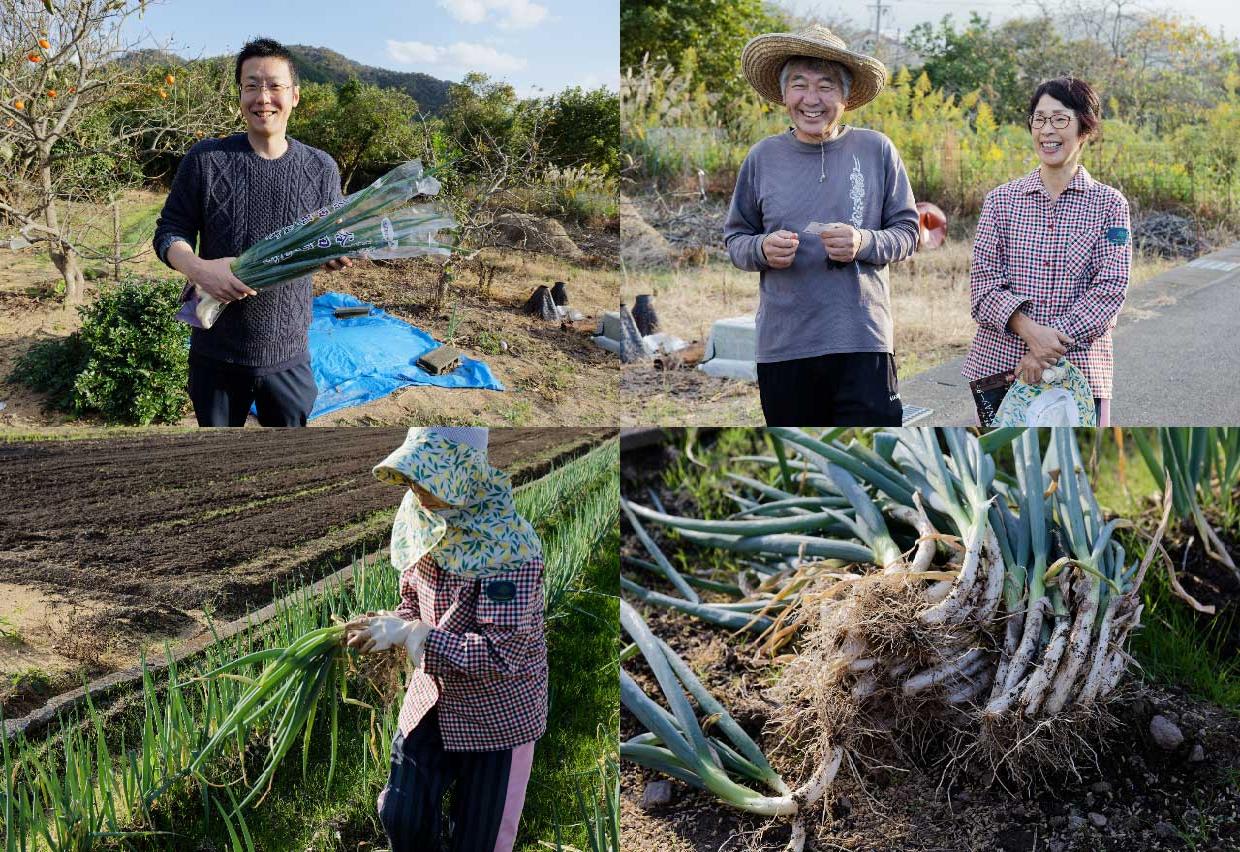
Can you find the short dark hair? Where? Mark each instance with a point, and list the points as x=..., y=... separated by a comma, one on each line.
x=263, y=47
x=1076, y=95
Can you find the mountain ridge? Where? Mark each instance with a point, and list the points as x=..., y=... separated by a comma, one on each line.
x=324, y=65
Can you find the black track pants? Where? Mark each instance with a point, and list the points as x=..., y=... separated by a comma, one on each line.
x=223, y=398
x=844, y=389
x=486, y=803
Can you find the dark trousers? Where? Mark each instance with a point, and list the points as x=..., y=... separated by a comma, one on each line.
x=222, y=397
x=845, y=389
x=486, y=802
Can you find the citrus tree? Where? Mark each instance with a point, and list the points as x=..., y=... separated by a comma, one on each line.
x=76, y=106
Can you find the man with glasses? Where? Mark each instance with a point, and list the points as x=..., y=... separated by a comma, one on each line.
x=228, y=194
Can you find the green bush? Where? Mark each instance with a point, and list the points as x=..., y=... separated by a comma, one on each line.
x=51, y=367
x=128, y=364
x=137, y=359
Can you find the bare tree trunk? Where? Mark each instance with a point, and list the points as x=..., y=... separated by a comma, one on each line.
x=442, y=286
x=116, y=240
x=60, y=251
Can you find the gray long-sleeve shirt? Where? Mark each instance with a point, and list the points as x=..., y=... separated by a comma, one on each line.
x=224, y=199
x=815, y=308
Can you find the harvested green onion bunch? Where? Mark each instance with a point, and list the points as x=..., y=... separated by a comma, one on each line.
x=376, y=222
x=284, y=698
x=922, y=586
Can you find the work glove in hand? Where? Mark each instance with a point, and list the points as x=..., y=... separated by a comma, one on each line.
x=385, y=630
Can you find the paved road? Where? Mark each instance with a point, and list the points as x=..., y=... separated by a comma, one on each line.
x=1177, y=354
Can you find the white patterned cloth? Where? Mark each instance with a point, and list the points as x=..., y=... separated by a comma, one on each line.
x=480, y=533
x=473, y=436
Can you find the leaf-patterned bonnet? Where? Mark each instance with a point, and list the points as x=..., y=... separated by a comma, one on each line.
x=481, y=533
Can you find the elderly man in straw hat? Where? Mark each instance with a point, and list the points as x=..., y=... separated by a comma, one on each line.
x=820, y=211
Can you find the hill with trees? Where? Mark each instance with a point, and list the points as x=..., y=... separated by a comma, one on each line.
x=321, y=65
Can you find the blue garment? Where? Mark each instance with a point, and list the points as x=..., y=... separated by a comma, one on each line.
x=224, y=199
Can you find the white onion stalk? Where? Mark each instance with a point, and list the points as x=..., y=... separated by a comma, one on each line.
x=943, y=671
x=1040, y=678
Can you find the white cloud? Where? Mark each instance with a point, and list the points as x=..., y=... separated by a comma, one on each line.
x=463, y=55
x=509, y=14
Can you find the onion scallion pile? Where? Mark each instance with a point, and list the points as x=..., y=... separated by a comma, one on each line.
x=918, y=582
x=376, y=222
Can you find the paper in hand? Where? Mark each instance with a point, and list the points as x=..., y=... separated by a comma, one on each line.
x=817, y=228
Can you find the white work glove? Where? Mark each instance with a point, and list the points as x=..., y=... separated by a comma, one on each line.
x=385, y=630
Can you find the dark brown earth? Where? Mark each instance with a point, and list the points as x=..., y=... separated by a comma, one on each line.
x=1212, y=584
x=107, y=545
x=1129, y=796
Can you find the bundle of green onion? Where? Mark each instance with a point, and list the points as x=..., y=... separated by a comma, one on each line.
x=376, y=222
x=287, y=692
x=933, y=584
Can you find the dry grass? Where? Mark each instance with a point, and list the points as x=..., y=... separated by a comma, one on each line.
x=690, y=297
x=930, y=307
x=929, y=299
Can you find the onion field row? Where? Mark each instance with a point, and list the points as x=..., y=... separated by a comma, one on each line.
x=141, y=776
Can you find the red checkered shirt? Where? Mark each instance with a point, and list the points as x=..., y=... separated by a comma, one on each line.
x=1063, y=263
x=485, y=663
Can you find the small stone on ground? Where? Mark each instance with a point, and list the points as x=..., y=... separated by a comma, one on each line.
x=657, y=793
x=1166, y=733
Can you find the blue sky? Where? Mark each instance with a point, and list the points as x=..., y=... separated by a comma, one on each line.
x=533, y=44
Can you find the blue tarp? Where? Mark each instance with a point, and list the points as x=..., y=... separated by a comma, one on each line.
x=360, y=359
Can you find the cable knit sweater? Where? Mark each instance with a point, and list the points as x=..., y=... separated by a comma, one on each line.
x=224, y=199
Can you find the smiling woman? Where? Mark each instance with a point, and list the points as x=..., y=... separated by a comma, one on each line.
x=1054, y=303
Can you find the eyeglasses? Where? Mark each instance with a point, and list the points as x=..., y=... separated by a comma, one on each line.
x=273, y=88
x=1059, y=121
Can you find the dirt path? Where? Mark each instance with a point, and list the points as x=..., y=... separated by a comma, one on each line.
x=108, y=546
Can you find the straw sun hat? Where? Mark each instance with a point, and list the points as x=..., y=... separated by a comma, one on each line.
x=765, y=55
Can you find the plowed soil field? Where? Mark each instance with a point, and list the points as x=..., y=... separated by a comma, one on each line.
x=112, y=546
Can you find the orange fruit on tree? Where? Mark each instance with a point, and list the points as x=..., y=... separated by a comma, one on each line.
x=44, y=43
x=19, y=105
x=163, y=94
x=34, y=57
x=51, y=93
x=170, y=80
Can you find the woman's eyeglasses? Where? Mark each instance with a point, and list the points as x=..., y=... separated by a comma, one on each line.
x=1058, y=121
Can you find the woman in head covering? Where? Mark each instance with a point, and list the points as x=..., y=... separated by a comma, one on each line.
x=1051, y=260
x=471, y=622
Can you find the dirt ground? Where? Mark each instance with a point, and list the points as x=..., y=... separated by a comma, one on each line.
x=552, y=372
x=1211, y=584
x=111, y=546
x=1128, y=796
